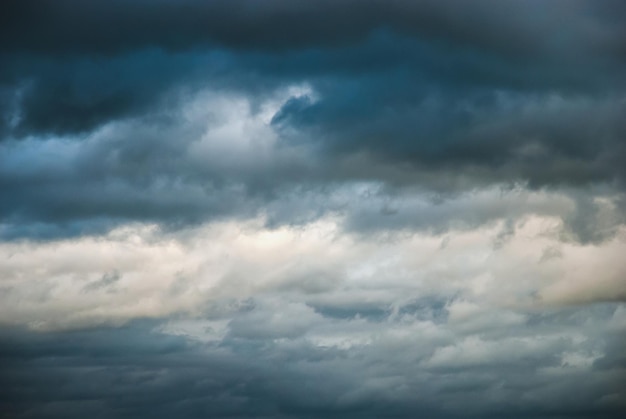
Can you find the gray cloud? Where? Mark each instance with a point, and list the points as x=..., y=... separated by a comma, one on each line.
x=443, y=95
x=137, y=371
x=79, y=74
x=263, y=25
x=175, y=169
x=106, y=281
x=292, y=209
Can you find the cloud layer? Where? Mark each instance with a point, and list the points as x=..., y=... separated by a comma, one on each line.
x=312, y=208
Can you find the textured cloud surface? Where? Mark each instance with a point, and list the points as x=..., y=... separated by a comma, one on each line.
x=287, y=209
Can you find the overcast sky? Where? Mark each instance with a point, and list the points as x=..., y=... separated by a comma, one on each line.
x=313, y=209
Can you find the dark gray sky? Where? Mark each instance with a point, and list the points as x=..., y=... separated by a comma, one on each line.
x=286, y=209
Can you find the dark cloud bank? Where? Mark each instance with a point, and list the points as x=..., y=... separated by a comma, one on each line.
x=135, y=371
x=435, y=98
x=442, y=96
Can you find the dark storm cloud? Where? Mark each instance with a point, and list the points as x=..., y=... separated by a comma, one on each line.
x=444, y=95
x=132, y=372
x=567, y=144
x=109, y=27
x=528, y=44
x=138, y=371
x=56, y=96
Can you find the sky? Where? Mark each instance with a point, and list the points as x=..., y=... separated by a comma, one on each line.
x=313, y=209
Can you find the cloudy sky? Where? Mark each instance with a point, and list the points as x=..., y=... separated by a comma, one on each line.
x=313, y=209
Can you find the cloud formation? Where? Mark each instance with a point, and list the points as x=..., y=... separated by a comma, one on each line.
x=312, y=208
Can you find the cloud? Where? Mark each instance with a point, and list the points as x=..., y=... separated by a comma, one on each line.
x=145, y=369
x=315, y=270
x=219, y=156
x=106, y=281
x=105, y=76
x=300, y=209
x=540, y=139
x=263, y=25
x=181, y=119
